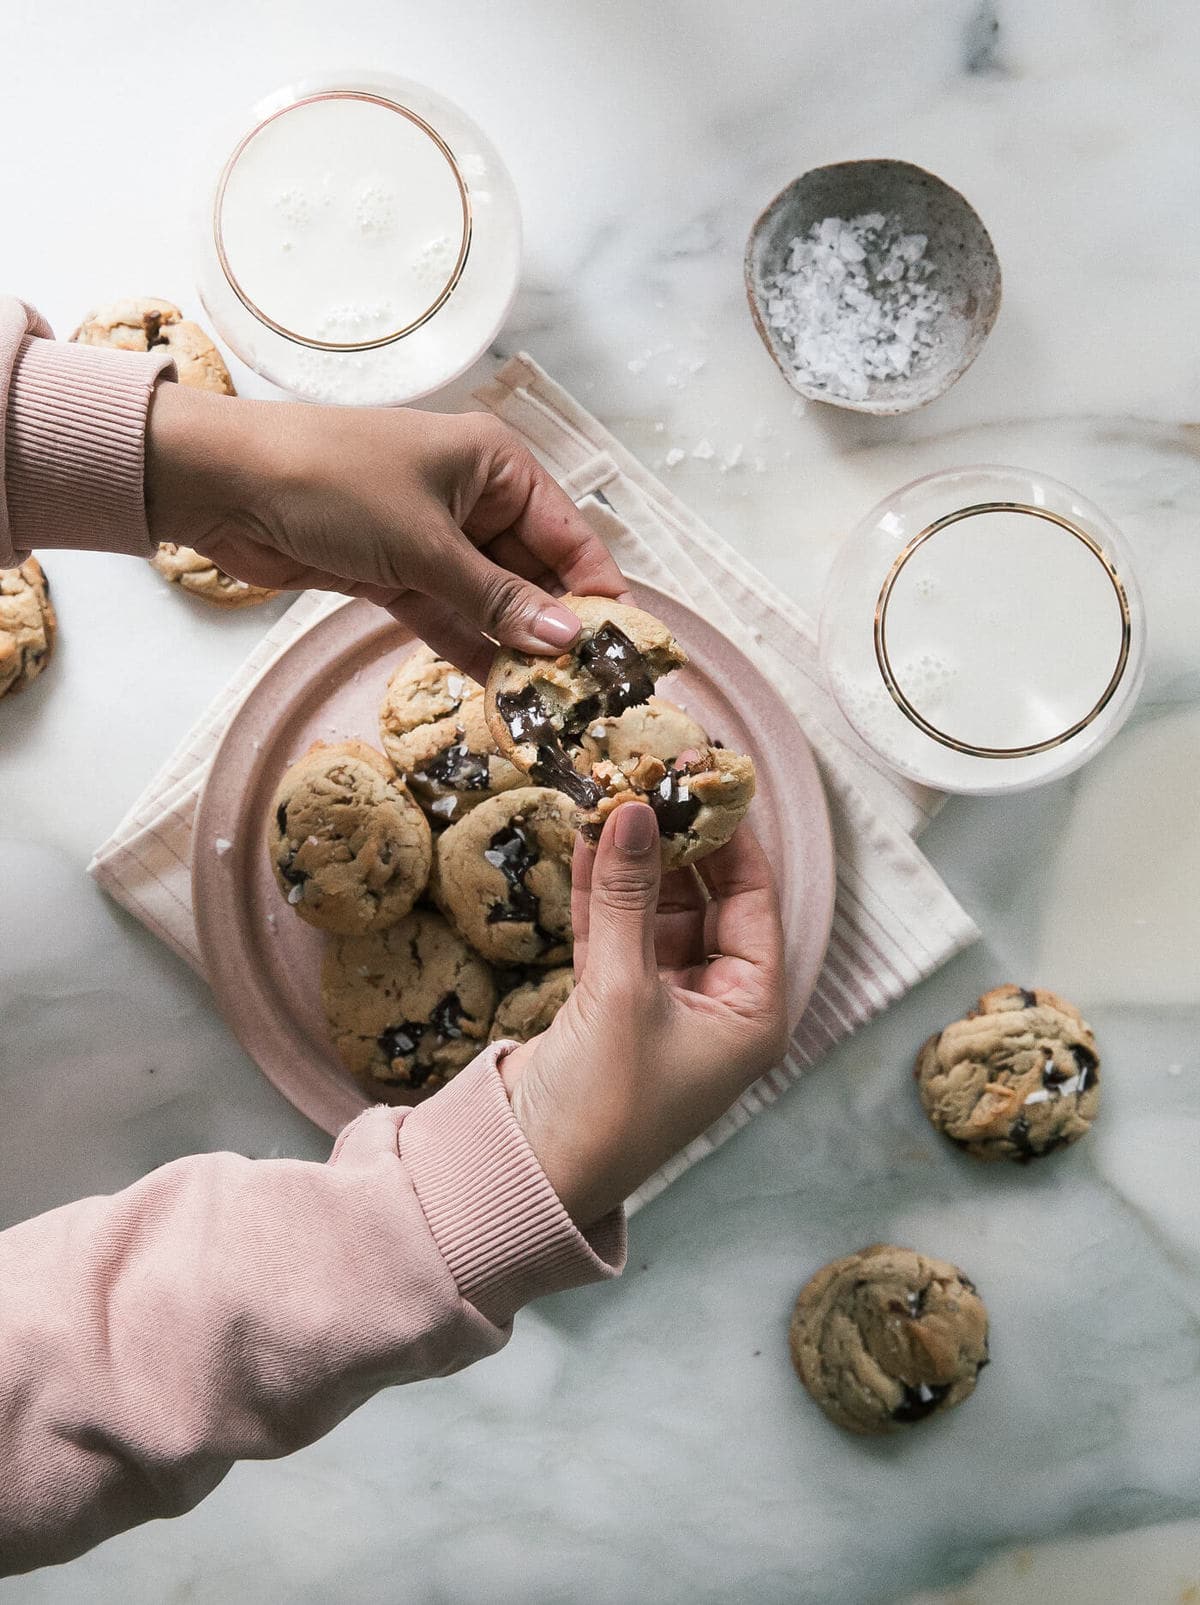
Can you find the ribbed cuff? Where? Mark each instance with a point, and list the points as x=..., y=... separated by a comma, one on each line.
x=75, y=446
x=496, y=1219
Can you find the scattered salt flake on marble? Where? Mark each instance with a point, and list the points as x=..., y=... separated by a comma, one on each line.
x=759, y=464
x=659, y=427
x=1174, y=1069
x=697, y=364
x=222, y=845
x=704, y=449
x=675, y=456
x=733, y=456
x=295, y=895
x=636, y=365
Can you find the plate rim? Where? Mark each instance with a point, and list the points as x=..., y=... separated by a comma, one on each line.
x=253, y=1028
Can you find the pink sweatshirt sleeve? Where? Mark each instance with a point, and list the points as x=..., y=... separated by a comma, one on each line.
x=226, y=1308
x=72, y=450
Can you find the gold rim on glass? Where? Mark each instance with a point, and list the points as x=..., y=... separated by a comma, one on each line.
x=889, y=677
x=339, y=345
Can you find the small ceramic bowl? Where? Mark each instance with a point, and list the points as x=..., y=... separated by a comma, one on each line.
x=967, y=276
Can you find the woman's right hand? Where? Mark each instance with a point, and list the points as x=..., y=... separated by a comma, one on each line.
x=679, y=1004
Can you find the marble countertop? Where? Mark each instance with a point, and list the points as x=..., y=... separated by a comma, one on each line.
x=648, y=1441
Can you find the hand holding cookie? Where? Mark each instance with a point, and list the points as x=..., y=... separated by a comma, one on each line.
x=447, y=521
x=679, y=1004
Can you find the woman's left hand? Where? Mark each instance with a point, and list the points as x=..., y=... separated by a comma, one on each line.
x=446, y=520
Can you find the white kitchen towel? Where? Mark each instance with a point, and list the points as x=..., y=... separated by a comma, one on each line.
x=894, y=922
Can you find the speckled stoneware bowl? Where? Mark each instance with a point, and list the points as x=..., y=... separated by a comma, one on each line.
x=968, y=272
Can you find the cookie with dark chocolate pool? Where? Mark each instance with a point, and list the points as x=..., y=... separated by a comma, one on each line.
x=503, y=876
x=409, y=1007
x=1018, y=1078
x=540, y=711
x=432, y=727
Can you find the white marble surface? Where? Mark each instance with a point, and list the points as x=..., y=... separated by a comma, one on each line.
x=648, y=1442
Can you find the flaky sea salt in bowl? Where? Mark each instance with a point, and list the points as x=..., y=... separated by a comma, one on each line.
x=873, y=285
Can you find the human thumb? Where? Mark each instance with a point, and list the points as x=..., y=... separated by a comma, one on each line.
x=624, y=896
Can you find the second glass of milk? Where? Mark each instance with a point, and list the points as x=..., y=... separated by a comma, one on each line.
x=362, y=244
x=983, y=630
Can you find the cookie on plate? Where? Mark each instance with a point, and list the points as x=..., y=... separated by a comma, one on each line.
x=885, y=1337
x=528, y=1009
x=540, y=711
x=432, y=727
x=408, y=1007
x=503, y=876
x=1016, y=1079
x=349, y=847
x=145, y=324
x=28, y=625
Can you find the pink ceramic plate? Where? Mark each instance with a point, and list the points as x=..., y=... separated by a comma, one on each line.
x=264, y=963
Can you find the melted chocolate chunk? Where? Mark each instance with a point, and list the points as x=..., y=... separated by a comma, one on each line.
x=617, y=666
x=455, y=766
x=1028, y=999
x=281, y=818
x=674, y=803
x=1089, y=1065
x=921, y=1401
x=1018, y=1135
x=292, y=875
x=528, y=720
x=514, y=855
x=398, y=1041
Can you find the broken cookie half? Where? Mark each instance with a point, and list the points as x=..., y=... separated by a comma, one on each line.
x=542, y=711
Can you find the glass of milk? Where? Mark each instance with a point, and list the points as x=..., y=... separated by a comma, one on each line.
x=983, y=630
x=362, y=241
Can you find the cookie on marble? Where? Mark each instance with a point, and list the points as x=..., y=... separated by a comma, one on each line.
x=350, y=848
x=146, y=324
x=1016, y=1079
x=408, y=1007
x=28, y=625
x=886, y=1337
x=199, y=576
x=540, y=710
x=529, y=1009
x=503, y=876
x=432, y=727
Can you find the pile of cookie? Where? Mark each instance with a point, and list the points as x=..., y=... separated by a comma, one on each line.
x=440, y=862
x=28, y=623
x=886, y=1337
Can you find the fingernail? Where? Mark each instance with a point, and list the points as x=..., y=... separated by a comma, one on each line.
x=635, y=829
x=557, y=626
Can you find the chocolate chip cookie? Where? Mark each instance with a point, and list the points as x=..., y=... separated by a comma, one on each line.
x=350, y=848
x=408, y=1007
x=1016, y=1079
x=886, y=1337
x=503, y=876
x=540, y=709
x=28, y=625
x=432, y=727
x=528, y=1009
x=146, y=324
x=199, y=576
